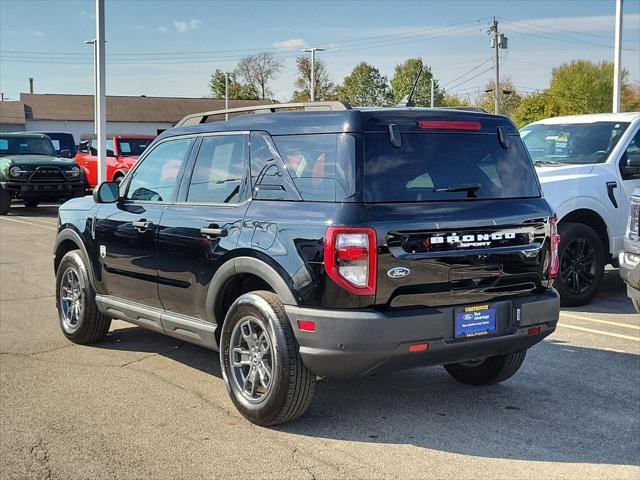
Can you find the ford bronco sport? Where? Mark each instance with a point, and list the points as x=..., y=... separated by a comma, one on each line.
x=30, y=170
x=330, y=242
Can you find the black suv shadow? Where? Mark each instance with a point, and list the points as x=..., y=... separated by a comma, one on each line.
x=567, y=404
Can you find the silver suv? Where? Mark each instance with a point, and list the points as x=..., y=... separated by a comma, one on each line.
x=630, y=256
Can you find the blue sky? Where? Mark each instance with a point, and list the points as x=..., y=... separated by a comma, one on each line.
x=170, y=48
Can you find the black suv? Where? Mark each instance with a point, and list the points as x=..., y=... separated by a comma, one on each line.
x=331, y=243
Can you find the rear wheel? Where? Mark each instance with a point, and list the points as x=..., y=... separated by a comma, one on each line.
x=5, y=201
x=487, y=371
x=30, y=203
x=80, y=320
x=582, y=260
x=262, y=370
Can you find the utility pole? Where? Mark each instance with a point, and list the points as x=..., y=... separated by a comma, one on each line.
x=617, y=58
x=313, y=69
x=496, y=91
x=432, y=87
x=101, y=102
x=226, y=94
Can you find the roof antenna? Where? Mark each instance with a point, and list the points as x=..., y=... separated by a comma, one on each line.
x=407, y=101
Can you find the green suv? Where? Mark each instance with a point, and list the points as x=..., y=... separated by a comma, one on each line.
x=31, y=170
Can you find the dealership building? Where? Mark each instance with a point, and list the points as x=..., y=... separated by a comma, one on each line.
x=125, y=115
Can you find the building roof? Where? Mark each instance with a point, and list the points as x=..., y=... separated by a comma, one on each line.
x=120, y=108
x=12, y=113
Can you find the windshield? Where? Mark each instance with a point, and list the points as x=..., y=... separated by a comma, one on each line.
x=446, y=166
x=132, y=146
x=19, y=145
x=63, y=141
x=581, y=143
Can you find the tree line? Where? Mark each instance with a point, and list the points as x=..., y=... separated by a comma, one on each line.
x=576, y=87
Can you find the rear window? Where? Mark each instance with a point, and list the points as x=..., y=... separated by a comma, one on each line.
x=426, y=164
x=132, y=146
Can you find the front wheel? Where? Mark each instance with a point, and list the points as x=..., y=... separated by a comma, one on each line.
x=261, y=366
x=582, y=260
x=487, y=371
x=30, y=203
x=80, y=320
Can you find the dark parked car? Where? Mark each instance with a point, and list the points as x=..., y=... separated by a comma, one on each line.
x=336, y=242
x=63, y=142
x=30, y=170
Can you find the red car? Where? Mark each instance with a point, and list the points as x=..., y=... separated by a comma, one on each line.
x=122, y=153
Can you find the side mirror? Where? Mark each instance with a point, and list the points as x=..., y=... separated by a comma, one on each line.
x=65, y=153
x=110, y=153
x=630, y=166
x=107, y=192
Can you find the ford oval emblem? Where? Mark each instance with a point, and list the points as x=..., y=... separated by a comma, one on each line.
x=398, y=272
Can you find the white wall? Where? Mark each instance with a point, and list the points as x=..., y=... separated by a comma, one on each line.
x=87, y=128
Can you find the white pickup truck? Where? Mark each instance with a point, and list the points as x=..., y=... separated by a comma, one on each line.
x=588, y=166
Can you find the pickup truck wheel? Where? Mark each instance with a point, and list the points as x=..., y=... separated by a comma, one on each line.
x=80, y=320
x=582, y=262
x=261, y=367
x=489, y=371
x=5, y=201
x=30, y=203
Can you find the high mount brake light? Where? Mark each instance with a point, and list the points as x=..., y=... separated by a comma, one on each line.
x=449, y=125
x=554, y=262
x=350, y=258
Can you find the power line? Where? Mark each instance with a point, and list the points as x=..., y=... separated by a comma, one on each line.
x=471, y=78
x=466, y=73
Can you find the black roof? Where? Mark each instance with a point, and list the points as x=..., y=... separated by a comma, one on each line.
x=344, y=121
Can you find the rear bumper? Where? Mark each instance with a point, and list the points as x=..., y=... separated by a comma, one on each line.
x=351, y=343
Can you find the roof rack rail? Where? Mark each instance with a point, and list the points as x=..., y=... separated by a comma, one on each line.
x=202, y=117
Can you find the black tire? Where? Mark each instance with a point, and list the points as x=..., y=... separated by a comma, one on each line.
x=582, y=260
x=88, y=325
x=118, y=177
x=5, y=201
x=30, y=203
x=489, y=371
x=289, y=391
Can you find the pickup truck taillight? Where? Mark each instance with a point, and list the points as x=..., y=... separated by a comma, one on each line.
x=350, y=258
x=554, y=262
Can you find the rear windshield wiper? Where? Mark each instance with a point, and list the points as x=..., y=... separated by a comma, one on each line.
x=470, y=188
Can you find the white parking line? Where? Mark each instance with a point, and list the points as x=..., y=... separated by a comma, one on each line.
x=45, y=221
x=28, y=223
x=597, y=320
x=599, y=332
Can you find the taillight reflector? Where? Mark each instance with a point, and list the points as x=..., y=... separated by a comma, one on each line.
x=307, y=325
x=419, y=347
x=533, y=330
x=350, y=258
x=449, y=125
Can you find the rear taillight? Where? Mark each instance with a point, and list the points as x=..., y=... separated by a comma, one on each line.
x=350, y=258
x=554, y=261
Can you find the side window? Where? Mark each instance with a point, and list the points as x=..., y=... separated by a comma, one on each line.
x=630, y=161
x=155, y=179
x=269, y=179
x=219, y=171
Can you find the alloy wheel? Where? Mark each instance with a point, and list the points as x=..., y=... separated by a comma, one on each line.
x=578, y=269
x=70, y=299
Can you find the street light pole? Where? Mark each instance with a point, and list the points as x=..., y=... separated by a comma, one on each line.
x=313, y=69
x=432, y=87
x=226, y=94
x=95, y=84
x=617, y=58
x=101, y=110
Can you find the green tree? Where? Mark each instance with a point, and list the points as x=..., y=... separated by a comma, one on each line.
x=631, y=98
x=237, y=90
x=582, y=86
x=404, y=77
x=453, y=100
x=535, y=107
x=509, y=98
x=325, y=89
x=365, y=86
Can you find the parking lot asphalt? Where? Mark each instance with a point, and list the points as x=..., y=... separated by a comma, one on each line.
x=142, y=405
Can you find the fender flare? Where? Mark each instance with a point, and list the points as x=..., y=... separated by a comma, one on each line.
x=73, y=236
x=250, y=265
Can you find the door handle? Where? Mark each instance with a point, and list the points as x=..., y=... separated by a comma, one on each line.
x=142, y=225
x=213, y=232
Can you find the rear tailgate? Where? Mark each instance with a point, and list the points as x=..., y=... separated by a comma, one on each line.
x=453, y=253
